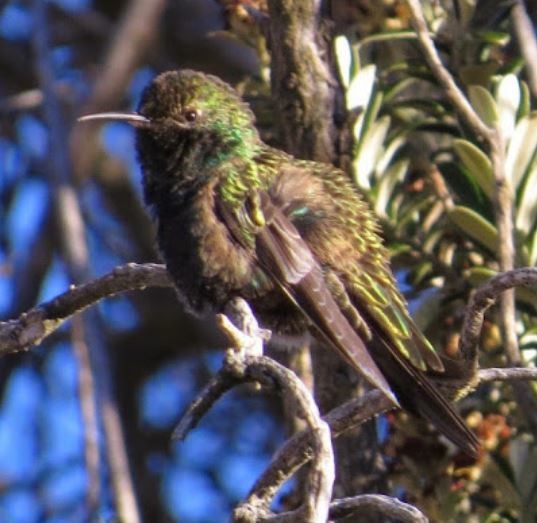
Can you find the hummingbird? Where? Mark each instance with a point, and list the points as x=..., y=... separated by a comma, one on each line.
x=238, y=218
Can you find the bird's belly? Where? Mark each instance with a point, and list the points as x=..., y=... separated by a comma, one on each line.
x=209, y=268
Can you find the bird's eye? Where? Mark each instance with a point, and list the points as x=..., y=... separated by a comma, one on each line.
x=190, y=115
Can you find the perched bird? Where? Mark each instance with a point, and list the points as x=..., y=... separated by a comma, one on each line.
x=294, y=238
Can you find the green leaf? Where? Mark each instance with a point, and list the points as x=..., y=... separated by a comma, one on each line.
x=360, y=88
x=484, y=104
x=390, y=151
x=477, y=276
x=394, y=174
x=526, y=213
x=508, y=101
x=387, y=36
x=496, y=477
x=465, y=188
x=475, y=226
x=411, y=212
x=370, y=151
x=533, y=250
x=525, y=97
x=521, y=149
x=393, y=90
x=477, y=163
x=343, y=52
x=494, y=37
x=523, y=458
x=429, y=306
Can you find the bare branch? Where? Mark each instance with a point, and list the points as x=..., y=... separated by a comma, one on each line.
x=137, y=29
x=243, y=364
x=455, y=95
x=71, y=231
x=483, y=299
x=95, y=372
x=88, y=407
x=33, y=326
x=297, y=451
x=376, y=503
x=507, y=374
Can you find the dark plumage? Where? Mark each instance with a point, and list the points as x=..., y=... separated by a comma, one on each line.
x=239, y=218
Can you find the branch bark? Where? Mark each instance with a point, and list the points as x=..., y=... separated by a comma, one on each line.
x=302, y=84
x=32, y=327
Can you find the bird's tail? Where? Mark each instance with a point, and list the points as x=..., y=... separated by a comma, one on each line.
x=417, y=394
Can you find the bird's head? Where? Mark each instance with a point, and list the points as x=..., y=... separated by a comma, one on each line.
x=187, y=122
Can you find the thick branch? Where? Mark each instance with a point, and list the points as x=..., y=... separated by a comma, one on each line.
x=375, y=503
x=302, y=84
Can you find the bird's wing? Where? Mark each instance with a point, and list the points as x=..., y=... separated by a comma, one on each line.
x=330, y=215
x=322, y=297
x=282, y=252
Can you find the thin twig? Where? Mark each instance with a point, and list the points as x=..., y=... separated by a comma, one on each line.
x=71, y=230
x=452, y=91
x=31, y=327
x=507, y=374
x=88, y=407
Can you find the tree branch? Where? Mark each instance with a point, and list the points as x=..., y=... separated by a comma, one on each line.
x=33, y=326
x=302, y=84
x=375, y=503
x=507, y=374
x=483, y=299
x=452, y=91
x=244, y=363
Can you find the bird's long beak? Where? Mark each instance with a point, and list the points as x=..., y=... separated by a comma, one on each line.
x=135, y=119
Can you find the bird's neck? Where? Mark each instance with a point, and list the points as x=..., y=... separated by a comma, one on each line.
x=174, y=171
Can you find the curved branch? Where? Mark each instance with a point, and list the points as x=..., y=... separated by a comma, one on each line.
x=244, y=364
x=483, y=299
x=377, y=503
x=297, y=450
x=31, y=327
